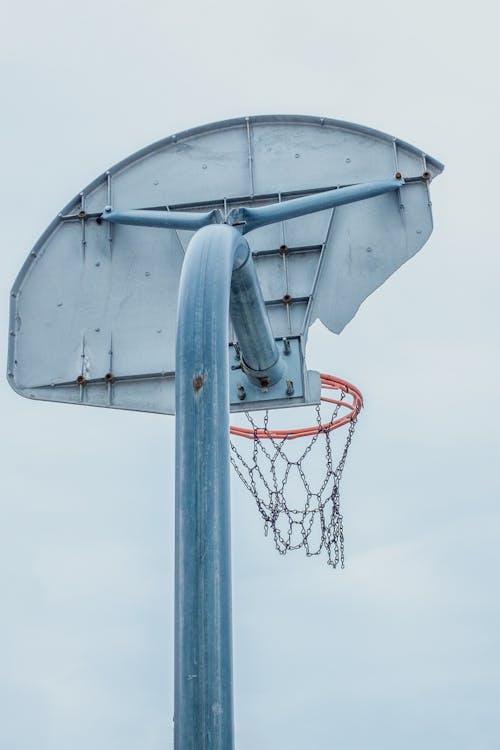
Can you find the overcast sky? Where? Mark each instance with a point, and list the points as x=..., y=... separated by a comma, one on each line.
x=399, y=650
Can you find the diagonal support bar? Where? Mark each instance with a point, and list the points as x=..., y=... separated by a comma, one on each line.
x=253, y=218
x=165, y=219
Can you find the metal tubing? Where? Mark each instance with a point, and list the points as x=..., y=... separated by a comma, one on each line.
x=203, y=653
x=253, y=218
x=261, y=360
x=165, y=219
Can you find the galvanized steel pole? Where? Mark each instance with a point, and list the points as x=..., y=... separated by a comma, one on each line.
x=203, y=651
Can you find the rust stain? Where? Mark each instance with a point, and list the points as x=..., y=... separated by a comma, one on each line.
x=197, y=383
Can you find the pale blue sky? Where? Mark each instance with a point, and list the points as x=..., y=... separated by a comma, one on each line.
x=399, y=650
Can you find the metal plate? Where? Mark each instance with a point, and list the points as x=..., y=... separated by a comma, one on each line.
x=93, y=310
x=296, y=387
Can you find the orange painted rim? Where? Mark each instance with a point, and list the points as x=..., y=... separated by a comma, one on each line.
x=328, y=383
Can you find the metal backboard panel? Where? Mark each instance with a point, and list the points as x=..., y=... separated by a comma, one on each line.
x=93, y=310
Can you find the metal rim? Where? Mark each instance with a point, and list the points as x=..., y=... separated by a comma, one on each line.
x=328, y=383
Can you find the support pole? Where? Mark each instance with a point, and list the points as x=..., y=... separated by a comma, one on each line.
x=203, y=652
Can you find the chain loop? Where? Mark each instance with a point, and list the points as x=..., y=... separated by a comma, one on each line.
x=265, y=469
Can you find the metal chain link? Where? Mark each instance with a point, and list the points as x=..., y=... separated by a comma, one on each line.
x=316, y=526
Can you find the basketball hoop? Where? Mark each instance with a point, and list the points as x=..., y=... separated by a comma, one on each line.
x=265, y=469
x=330, y=383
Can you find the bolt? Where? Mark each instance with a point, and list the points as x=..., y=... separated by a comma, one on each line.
x=108, y=377
x=241, y=392
x=283, y=249
x=197, y=383
x=286, y=299
x=286, y=346
x=289, y=388
x=80, y=379
x=107, y=209
x=398, y=175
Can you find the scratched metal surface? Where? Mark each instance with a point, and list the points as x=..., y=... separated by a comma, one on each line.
x=93, y=310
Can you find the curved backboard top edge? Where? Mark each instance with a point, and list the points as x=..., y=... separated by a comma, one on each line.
x=241, y=121
x=259, y=119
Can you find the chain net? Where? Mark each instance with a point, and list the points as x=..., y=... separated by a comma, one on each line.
x=277, y=467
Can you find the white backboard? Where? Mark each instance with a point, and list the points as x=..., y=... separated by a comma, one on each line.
x=93, y=310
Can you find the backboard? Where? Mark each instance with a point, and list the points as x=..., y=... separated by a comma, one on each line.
x=93, y=310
